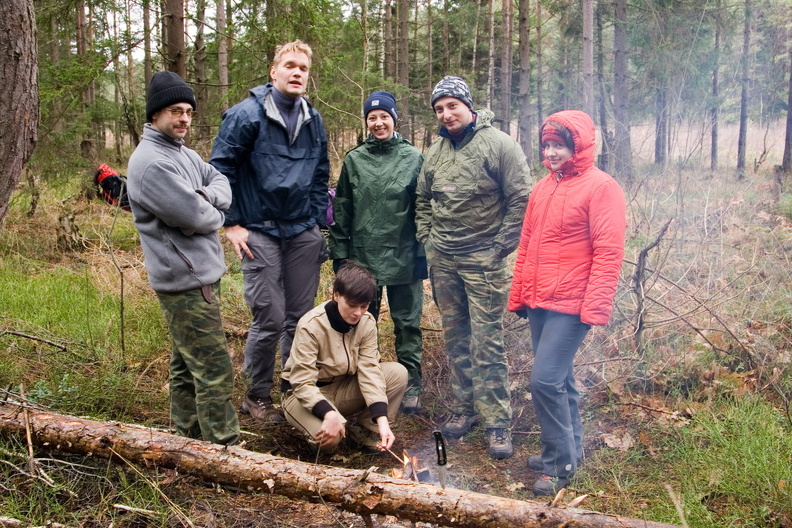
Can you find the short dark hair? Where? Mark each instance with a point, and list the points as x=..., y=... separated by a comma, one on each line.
x=559, y=130
x=355, y=283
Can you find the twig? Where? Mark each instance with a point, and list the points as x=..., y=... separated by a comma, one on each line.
x=34, y=338
x=150, y=513
x=677, y=504
x=652, y=409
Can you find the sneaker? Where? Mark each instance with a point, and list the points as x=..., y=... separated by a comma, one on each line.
x=500, y=443
x=549, y=485
x=365, y=439
x=459, y=424
x=411, y=404
x=261, y=410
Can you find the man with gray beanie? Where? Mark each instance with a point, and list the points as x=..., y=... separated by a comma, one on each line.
x=471, y=198
x=178, y=203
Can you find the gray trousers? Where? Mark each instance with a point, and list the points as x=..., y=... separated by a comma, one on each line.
x=280, y=287
x=556, y=338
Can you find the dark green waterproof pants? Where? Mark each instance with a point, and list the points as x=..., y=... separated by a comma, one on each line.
x=406, y=306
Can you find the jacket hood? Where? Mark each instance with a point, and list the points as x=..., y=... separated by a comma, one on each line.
x=583, y=135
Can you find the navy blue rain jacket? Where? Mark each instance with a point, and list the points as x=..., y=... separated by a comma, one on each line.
x=279, y=184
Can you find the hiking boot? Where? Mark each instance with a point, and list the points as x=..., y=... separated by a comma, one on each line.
x=411, y=404
x=365, y=439
x=261, y=410
x=500, y=443
x=535, y=463
x=459, y=424
x=548, y=485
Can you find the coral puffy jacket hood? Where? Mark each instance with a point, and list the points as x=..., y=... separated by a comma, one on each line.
x=572, y=240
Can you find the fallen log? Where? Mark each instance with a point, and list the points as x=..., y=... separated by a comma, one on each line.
x=362, y=492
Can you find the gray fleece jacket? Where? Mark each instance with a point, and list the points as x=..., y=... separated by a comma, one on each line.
x=177, y=201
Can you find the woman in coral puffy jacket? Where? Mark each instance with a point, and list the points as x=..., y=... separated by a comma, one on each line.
x=565, y=277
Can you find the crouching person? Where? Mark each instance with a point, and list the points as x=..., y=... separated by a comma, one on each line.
x=334, y=371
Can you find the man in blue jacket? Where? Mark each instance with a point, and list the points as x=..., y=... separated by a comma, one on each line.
x=178, y=201
x=273, y=148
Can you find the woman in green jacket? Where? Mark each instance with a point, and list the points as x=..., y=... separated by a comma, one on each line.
x=374, y=210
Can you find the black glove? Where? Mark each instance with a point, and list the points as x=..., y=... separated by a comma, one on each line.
x=337, y=263
x=420, y=271
x=522, y=313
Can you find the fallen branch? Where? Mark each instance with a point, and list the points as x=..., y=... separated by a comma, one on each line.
x=35, y=338
x=351, y=490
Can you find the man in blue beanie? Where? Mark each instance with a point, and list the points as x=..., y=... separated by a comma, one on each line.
x=178, y=203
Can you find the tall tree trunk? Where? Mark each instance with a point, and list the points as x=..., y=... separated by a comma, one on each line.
x=88, y=143
x=622, y=148
x=446, y=41
x=506, y=65
x=604, y=158
x=714, y=111
x=429, y=45
x=786, y=162
x=176, y=56
x=364, y=29
x=490, y=82
x=390, y=57
x=476, y=56
x=403, y=15
x=525, y=126
x=148, y=68
x=588, y=57
x=222, y=53
x=201, y=123
x=746, y=49
x=539, y=71
x=19, y=103
x=661, y=126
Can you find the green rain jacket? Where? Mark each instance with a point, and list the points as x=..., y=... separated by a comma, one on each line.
x=374, y=210
x=472, y=196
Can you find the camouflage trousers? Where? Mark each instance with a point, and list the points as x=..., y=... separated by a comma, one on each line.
x=471, y=293
x=201, y=373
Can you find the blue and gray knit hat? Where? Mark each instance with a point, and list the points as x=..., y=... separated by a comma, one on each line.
x=450, y=86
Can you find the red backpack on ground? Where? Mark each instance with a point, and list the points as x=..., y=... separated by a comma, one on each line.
x=111, y=186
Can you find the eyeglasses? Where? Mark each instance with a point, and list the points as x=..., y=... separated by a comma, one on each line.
x=178, y=112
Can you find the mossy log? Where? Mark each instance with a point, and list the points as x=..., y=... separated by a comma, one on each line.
x=357, y=491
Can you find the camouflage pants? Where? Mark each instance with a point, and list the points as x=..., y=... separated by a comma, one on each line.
x=201, y=374
x=471, y=293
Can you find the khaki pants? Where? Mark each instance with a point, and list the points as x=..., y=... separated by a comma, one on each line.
x=346, y=398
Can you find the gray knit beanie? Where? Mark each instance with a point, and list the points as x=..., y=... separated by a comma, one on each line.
x=167, y=88
x=450, y=86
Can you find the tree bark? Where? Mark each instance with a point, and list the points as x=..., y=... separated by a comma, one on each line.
x=714, y=111
x=506, y=66
x=622, y=149
x=19, y=105
x=201, y=123
x=403, y=14
x=588, y=57
x=222, y=53
x=524, y=123
x=357, y=491
x=743, y=133
x=176, y=60
x=786, y=161
x=604, y=159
